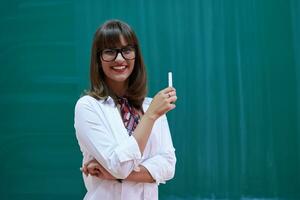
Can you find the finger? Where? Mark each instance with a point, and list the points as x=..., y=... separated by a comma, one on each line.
x=170, y=94
x=173, y=93
x=101, y=169
x=89, y=162
x=84, y=170
x=94, y=165
x=167, y=90
x=93, y=171
x=81, y=169
x=92, y=168
x=172, y=99
x=171, y=107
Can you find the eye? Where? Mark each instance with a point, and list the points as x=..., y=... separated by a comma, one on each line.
x=109, y=51
x=128, y=50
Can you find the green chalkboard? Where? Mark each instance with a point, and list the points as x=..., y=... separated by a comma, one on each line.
x=236, y=68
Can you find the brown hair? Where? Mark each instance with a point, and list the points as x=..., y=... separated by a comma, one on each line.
x=108, y=36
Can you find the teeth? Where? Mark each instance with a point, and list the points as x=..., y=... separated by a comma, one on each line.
x=119, y=67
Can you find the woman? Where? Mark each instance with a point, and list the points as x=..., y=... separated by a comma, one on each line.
x=124, y=137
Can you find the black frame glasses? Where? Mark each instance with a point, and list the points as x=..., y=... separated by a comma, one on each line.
x=110, y=54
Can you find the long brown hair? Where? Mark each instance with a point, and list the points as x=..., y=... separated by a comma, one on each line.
x=108, y=36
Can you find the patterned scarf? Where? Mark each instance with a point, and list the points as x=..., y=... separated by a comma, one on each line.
x=129, y=115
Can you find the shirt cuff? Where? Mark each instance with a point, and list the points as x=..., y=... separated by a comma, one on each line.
x=129, y=150
x=153, y=170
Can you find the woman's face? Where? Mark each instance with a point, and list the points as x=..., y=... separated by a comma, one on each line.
x=118, y=70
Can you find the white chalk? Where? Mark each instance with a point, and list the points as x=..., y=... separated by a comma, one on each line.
x=170, y=79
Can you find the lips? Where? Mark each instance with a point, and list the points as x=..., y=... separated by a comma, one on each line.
x=119, y=69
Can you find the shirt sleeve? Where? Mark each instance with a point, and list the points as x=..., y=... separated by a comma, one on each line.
x=94, y=136
x=162, y=166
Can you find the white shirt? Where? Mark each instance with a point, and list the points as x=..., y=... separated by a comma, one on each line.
x=102, y=135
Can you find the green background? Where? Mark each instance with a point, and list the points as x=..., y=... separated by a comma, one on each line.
x=235, y=66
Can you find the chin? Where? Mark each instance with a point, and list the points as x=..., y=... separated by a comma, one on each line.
x=121, y=79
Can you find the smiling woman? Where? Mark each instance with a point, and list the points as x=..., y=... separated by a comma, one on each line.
x=115, y=48
x=124, y=136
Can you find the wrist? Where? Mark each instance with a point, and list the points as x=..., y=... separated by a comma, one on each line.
x=150, y=116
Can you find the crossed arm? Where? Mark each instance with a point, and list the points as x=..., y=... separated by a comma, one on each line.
x=94, y=168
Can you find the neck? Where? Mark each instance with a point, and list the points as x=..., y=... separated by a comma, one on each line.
x=118, y=88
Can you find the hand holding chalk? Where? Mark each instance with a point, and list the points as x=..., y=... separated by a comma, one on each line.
x=163, y=101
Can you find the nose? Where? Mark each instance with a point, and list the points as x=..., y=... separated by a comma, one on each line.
x=119, y=57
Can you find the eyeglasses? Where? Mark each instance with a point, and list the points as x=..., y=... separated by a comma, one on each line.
x=128, y=53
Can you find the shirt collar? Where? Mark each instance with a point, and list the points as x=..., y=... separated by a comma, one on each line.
x=109, y=100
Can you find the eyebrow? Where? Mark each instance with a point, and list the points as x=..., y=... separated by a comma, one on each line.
x=122, y=47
